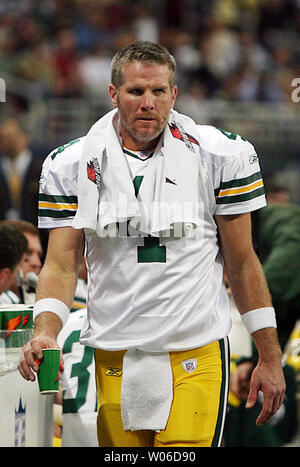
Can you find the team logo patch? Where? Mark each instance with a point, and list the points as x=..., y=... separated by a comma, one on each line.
x=189, y=365
x=179, y=133
x=93, y=171
x=110, y=371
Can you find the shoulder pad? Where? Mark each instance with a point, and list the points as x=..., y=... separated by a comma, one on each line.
x=221, y=142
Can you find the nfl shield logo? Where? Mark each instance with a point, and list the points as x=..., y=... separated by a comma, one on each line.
x=189, y=365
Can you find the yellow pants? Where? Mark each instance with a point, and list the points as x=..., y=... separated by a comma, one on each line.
x=199, y=400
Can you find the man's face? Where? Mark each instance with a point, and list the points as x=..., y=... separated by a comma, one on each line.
x=8, y=278
x=12, y=139
x=33, y=255
x=144, y=101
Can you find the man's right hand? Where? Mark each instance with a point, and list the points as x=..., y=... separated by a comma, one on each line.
x=31, y=352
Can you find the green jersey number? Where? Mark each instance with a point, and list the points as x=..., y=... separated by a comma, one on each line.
x=80, y=371
x=230, y=135
x=151, y=251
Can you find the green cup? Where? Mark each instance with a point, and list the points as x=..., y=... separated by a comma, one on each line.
x=48, y=375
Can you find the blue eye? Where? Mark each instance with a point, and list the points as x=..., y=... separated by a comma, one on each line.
x=136, y=92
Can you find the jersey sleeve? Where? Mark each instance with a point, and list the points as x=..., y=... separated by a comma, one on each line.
x=239, y=187
x=58, y=200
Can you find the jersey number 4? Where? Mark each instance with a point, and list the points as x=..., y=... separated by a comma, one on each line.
x=151, y=251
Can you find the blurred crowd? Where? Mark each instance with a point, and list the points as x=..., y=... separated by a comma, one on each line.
x=236, y=50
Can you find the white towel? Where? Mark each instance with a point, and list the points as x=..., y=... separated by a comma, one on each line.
x=171, y=190
x=146, y=391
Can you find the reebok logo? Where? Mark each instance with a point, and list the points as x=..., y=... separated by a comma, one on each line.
x=110, y=371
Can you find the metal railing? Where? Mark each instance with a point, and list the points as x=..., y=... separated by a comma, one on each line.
x=267, y=124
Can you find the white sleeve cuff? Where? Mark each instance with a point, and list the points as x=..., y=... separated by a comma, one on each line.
x=260, y=318
x=52, y=305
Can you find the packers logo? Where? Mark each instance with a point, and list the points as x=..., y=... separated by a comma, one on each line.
x=110, y=371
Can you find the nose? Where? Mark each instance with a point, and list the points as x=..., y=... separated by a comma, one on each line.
x=147, y=102
x=35, y=263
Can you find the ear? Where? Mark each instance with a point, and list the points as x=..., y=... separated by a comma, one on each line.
x=113, y=94
x=4, y=278
x=174, y=91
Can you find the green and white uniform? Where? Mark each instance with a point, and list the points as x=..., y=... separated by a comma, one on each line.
x=78, y=386
x=155, y=294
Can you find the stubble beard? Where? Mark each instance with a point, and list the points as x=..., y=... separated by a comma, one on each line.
x=139, y=135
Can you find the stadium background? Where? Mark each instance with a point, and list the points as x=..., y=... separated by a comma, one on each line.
x=238, y=63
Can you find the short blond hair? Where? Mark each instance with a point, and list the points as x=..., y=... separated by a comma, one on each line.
x=145, y=52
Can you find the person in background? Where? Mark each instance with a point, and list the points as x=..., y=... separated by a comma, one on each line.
x=78, y=395
x=13, y=247
x=277, y=241
x=277, y=193
x=23, y=289
x=75, y=407
x=20, y=171
x=240, y=429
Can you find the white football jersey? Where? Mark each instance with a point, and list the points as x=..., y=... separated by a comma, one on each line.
x=78, y=385
x=158, y=294
x=9, y=297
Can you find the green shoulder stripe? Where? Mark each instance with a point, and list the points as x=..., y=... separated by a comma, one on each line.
x=55, y=213
x=58, y=198
x=241, y=197
x=241, y=181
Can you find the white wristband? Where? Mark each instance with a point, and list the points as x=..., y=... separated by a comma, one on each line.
x=260, y=318
x=53, y=305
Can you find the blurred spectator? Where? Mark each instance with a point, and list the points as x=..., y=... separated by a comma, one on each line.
x=78, y=388
x=246, y=51
x=240, y=429
x=277, y=236
x=277, y=193
x=144, y=24
x=22, y=290
x=222, y=49
x=118, y=14
x=66, y=66
x=94, y=69
x=19, y=174
x=34, y=253
x=193, y=102
x=13, y=245
x=36, y=64
x=92, y=28
x=77, y=383
x=53, y=35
